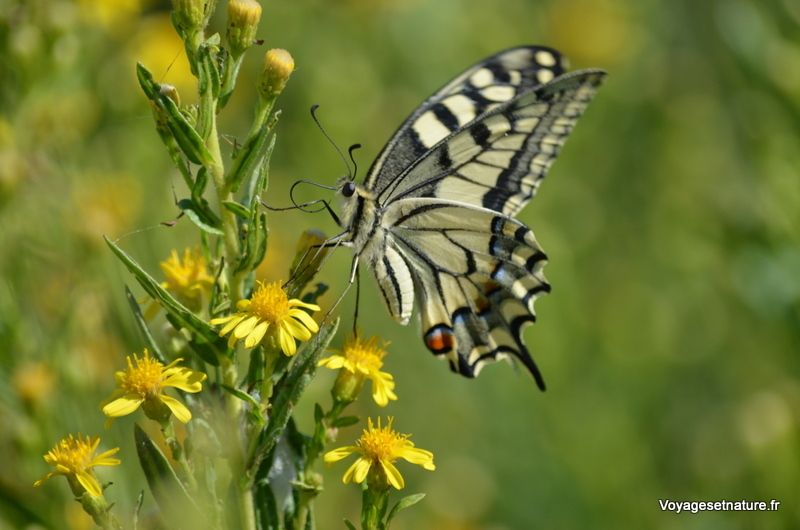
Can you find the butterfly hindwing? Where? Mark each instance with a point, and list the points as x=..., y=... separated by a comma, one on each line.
x=477, y=90
x=476, y=274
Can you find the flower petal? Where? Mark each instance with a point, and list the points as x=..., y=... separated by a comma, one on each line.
x=337, y=454
x=418, y=456
x=382, y=389
x=286, y=341
x=245, y=327
x=296, y=329
x=122, y=406
x=393, y=475
x=294, y=302
x=305, y=318
x=184, y=378
x=256, y=335
x=89, y=483
x=104, y=458
x=231, y=324
x=334, y=362
x=359, y=470
x=178, y=409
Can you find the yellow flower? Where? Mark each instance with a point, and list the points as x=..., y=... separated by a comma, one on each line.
x=380, y=447
x=74, y=458
x=361, y=359
x=143, y=383
x=269, y=309
x=187, y=278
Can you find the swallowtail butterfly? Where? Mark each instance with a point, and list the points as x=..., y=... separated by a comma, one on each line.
x=434, y=218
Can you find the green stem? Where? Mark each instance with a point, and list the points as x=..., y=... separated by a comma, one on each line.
x=168, y=430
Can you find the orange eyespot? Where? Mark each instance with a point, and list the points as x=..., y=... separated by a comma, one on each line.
x=439, y=339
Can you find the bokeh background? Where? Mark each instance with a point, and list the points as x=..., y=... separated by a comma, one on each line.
x=670, y=342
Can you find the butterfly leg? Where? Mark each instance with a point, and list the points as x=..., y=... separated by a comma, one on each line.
x=358, y=301
x=331, y=242
x=351, y=280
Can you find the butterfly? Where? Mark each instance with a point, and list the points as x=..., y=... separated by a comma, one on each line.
x=434, y=218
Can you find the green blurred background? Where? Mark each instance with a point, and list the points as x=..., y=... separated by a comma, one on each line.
x=670, y=341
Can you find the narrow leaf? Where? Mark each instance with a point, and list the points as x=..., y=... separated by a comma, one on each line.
x=179, y=314
x=138, y=317
x=167, y=489
x=402, y=504
x=199, y=217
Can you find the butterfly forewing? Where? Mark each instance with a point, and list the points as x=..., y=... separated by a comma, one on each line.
x=498, y=160
x=474, y=92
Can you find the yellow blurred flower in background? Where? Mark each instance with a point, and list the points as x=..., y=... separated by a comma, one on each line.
x=74, y=458
x=109, y=13
x=187, y=278
x=379, y=447
x=34, y=382
x=143, y=384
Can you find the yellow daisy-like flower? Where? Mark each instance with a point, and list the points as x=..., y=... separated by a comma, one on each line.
x=187, y=278
x=144, y=382
x=361, y=359
x=269, y=310
x=74, y=457
x=380, y=447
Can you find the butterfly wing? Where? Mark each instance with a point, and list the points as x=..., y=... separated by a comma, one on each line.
x=498, y=160
x=476, y=273
x=471, y=94
x=447, y=186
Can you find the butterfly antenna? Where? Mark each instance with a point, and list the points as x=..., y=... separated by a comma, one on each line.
x=350, y=151
x=330, y=140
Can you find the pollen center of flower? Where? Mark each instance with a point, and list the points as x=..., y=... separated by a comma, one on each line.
x=269, y=303
x=381, y=443
x=73, y=454
x=143, y=378
x=365, y=354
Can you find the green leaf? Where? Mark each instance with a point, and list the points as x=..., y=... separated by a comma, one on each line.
x=138, y=317
x=254, y=409
x=267, y=517
x=349, y=525
x=167, y=489
x=179, y=315
x=237, y=208
x=190, y=142
x=248, y=158
x=344, y=421
x=257, y=186
x=402, y=504
x=288, y=391
x=199, y=217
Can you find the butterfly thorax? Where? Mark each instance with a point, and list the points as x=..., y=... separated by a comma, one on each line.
x=360, y=216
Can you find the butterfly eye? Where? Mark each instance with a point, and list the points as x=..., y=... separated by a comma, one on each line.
x=348, y=189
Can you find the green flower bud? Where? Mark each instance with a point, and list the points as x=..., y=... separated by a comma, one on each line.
x=188, y=14
x=243, y=19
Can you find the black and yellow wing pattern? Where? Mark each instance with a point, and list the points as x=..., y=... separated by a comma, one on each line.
x=434, y=219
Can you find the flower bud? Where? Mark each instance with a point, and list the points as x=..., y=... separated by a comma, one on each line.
x=243, y=18
x=347, y=386
x=278, y=66
x=188, y=14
